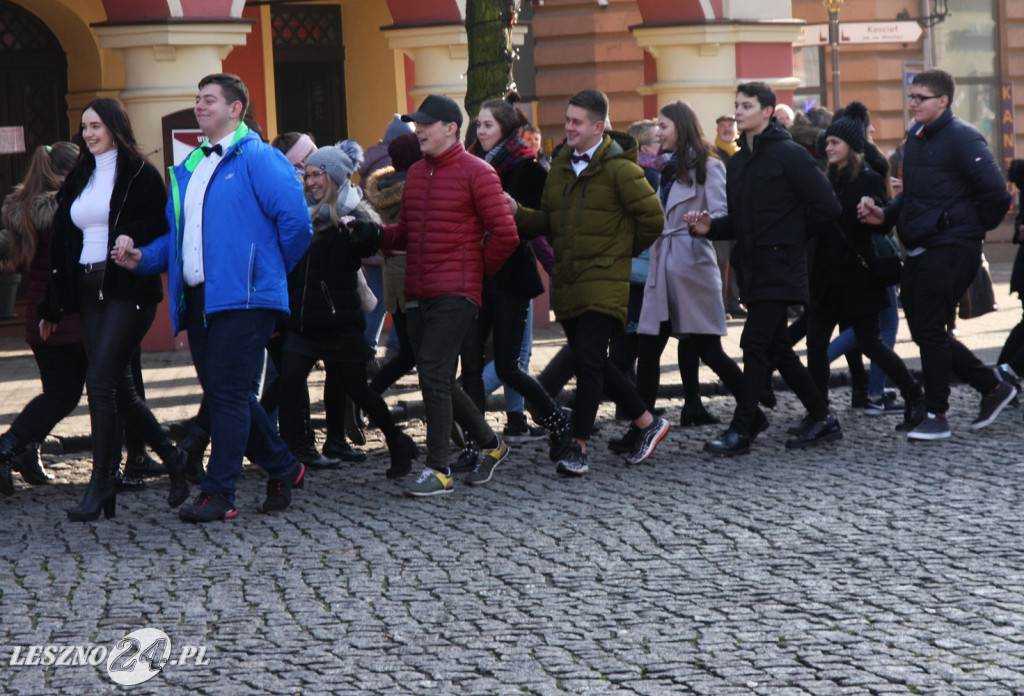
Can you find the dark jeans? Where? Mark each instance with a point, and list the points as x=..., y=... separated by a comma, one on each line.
x=866, y=328
x=112, y=329
x=765, y=342
x=293, y=413
x=557, y=373
x=932, y=285
x=588, y=336
x=62, y=371
x=227, y=349
x=504, y=314
x=436, y=329
x=692, y=349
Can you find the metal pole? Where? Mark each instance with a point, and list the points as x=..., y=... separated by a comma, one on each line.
x=833, y=40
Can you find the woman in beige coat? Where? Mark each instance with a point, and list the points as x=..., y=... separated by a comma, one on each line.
x=683, y=295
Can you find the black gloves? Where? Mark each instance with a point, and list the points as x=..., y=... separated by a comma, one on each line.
x=366, y=235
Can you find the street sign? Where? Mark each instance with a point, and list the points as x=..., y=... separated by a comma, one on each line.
x=860, y=33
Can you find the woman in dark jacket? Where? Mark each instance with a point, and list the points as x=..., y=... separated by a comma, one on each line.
x=507, y=294
x=111, y=191
x=28, y=225
x=843, y=291
x=327, y=320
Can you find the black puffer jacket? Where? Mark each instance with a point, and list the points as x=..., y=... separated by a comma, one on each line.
x=322, y=287
x=953, y=192
x=136, y=210
x=775, y=195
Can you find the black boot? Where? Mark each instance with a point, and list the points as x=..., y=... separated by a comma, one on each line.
x=140, y=465
x=177, y=462
x=30, y=465
x=101, y=495
x=195, y=442
x=694, y=413
x=559, y=427
x=402, y=450
x=8, y=452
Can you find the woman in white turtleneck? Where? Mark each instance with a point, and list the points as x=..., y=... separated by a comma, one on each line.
x=110, y=191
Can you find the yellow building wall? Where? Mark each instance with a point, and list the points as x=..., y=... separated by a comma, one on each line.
x=374, y=74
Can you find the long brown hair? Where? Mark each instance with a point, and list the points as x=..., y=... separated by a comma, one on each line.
x=689, y=135
x=46, y=171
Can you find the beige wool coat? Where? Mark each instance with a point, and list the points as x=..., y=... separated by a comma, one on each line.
x=684, y=286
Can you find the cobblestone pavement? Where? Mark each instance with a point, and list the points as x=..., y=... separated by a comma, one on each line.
x=868, y=566
x=872, y=566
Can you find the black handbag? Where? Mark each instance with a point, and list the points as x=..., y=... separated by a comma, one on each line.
x=980, y=297
x=885, y=271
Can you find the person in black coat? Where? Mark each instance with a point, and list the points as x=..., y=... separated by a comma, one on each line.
x=775, y=194
x=507, y=294
x=327, y=320
x=953, y=193
x=843, y=291
x=111, y=191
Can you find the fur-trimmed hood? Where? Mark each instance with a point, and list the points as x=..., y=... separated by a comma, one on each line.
x=44, y=207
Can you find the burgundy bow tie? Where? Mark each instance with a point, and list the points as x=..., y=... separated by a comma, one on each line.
x=576, y=159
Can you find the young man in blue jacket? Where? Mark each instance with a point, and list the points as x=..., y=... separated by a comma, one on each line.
x=238, y=224
x=953, y=193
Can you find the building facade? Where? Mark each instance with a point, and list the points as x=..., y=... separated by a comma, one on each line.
x=341, y=68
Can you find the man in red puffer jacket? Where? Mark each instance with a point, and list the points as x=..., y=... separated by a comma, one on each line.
x=456, y=227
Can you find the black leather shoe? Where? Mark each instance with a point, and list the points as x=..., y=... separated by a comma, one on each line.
x=340, y=449
x=195, y=443
x=822, y=430
x=728, y=444
x=308, y=455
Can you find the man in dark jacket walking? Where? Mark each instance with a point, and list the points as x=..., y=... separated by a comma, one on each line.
x=775, y=191
x=953, y=193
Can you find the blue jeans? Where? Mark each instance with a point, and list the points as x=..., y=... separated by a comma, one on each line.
x=375, y=319
x=889, y=322
x=514, y=402
x=228, y=352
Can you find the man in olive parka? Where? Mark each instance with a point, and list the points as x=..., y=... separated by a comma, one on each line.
x=599, y=212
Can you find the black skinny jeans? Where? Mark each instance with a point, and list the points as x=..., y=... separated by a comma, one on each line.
x=932, y=285
x=62, y=371
x=707, y=347
x=401, y=364
x=589, y=335
x=293, y=409
x=504, y=314
x=824, y=319
x=112, y=329
x=765, y=342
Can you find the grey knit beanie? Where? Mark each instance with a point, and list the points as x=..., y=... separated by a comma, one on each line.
x=332, y=160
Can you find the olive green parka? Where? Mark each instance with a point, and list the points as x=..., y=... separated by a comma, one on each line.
x=596, y=223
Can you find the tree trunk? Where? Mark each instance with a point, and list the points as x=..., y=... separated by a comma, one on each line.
x=489, y=32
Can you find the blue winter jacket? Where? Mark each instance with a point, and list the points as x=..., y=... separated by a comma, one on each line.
x=256, y=227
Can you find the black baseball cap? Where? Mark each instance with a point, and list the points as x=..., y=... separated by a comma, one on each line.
x=436, y=107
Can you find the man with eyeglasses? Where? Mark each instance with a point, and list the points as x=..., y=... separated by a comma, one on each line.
x=953, y=193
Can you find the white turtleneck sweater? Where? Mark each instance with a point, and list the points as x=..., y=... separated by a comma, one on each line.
x=91, y=210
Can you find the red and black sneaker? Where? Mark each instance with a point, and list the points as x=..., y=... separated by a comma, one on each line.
x=279, y=490
x=208, y=507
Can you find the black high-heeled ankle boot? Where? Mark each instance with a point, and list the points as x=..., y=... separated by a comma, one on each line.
x=177, y=462
x=101, y=495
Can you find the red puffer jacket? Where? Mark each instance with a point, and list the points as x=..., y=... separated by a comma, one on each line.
x=449, y=202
